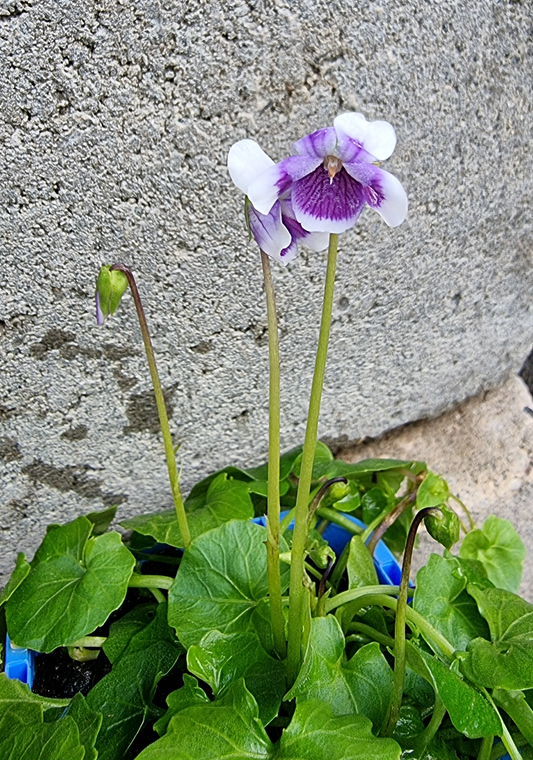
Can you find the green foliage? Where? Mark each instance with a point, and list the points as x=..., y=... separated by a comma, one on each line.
x=360, y=566
x=75, y=582
x=441, y=597
x=222, y=582
x=359, y=686
x=506, y=660
x=225, y=499
x=220, y=659
x=432, y=492
x=230, y=728
x=444, y=526
x=216, y=627
x=125, y=695
x=469, y=711
x=500, y=550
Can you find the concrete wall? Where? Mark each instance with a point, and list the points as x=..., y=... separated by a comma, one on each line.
x=116, y=118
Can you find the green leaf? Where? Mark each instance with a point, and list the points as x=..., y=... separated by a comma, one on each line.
x=408, y=726
x=316, y=734
x=360, y=686
x=432, y=491
x=374, y=502
x=441, y=598
x=515, y=705
x=361, y=568
x=25, y=739
x=322, y=461
x=124, y=696
x=499, y=548
x=88, y=723
x=365, y=467
x=74, y=584
x=123, y=630
x=101, y=520
x=13, y=692
x=190, y=695
x=220, y=659
x=225, y=500
x=507, y=660
x=22, y=568
x=229, y=729
x=221, y=582
x=469, y=711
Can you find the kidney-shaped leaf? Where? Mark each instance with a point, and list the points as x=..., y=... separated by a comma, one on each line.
x=441, y=598
x=220, y=659
x=469, y=711
x=74, y=584
x=362, y=685
x=226, y=499
x=507, y=660
x=499, y=548
x=221, y=582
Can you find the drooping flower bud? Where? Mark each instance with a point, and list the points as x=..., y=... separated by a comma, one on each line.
x=443, y=525
x=110, y=288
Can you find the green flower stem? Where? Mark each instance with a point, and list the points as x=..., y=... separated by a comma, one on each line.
x=296, y=607
x=399, y=626
x=273, y=529
x=423, y=740
x=158, y=595
x=327, y=513
x=88, y=641
x=370, y=633
x=161, y=408
x=150, y=581
x=367, y=596
x=485, y=751
x=505, y=735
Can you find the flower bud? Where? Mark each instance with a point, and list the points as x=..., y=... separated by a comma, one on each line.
x=443, y=526
x=110, y=288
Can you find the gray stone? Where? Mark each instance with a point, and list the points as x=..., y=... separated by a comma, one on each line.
x=484, y=450
x=115, y=123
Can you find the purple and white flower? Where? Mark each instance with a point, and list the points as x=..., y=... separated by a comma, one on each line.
x=277, y=231
x=331, y=177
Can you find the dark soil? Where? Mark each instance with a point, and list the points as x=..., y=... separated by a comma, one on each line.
x=58, y=675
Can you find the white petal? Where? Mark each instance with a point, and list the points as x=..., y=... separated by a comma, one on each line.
x=246, y=161
x=393, y=207
x=316, y=241
x=377, y=137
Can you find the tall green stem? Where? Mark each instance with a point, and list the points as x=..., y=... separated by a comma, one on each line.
x=399, y=626
x=273, y=567
x=161, y=408
x=297, y=590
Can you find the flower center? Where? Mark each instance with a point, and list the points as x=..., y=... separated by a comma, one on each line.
x=332, y=165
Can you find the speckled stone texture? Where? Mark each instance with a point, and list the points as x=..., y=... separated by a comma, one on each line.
x=116, y=118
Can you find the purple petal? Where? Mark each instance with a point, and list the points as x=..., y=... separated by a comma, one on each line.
x=321, y=205
x=319, y=144
x=382, y=191
x=289, y=253
x=376, y=137
x=99, y=313
x=265, y=190
x=315, y=241
x=269, y=232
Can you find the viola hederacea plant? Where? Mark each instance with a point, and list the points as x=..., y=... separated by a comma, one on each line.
x=265, y=615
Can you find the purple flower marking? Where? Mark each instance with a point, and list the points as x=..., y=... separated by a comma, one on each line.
x=333, y=175
x=277, y=231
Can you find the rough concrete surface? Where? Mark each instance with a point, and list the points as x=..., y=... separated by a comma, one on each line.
x=484, y=450
x=115, y=122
